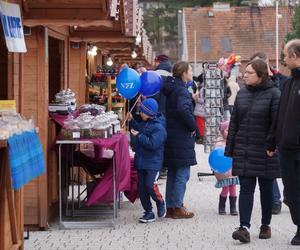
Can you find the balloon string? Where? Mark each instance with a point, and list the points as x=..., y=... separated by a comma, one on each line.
x=137, y=99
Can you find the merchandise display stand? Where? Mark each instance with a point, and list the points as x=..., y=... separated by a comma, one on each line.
x=103, y=91
x=214, y=93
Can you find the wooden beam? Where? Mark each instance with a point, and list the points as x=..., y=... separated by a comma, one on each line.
x=110, y=34
x=105, y=4
x=65, y=4
x=101, y=37
x=25, y=5
x=125, y=51
x=116, y=27
x=114, y=45
x=67, y=22
x=71, y=14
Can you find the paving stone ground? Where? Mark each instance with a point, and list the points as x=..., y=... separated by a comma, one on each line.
x=207, y=230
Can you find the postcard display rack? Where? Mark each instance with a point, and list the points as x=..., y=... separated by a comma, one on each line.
x=213, y=87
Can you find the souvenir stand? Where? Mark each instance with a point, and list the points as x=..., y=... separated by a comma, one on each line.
x=91, y=140
x=213, y=85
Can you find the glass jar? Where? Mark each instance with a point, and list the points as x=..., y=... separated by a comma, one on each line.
x=101, y=127
x=116, y=127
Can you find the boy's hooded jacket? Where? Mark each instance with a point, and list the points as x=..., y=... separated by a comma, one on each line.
x=149, y=143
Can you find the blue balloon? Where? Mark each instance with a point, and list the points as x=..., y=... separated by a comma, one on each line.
x=218, y=162
x=128, y=83
x=150, y=83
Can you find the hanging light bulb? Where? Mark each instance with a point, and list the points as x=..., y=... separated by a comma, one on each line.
x=138, y=39
x=133, y=54
x=93, y=51
x=109, y=61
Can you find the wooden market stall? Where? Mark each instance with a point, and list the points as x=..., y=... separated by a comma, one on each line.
x=11, y=202
x=58, y=34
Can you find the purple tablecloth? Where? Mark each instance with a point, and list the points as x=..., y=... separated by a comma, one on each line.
x=126, y=177
x=104, y=191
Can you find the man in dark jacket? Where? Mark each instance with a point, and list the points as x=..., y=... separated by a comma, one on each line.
x=164, y=69
x=288, y=134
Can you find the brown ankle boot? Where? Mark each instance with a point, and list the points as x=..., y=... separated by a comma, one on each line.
x=182, y=213
x=265, y=232
x=169, y=212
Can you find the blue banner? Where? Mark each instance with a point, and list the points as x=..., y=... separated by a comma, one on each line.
x=26, y=158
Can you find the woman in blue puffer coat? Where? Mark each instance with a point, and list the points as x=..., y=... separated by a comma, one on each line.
x=179, y=148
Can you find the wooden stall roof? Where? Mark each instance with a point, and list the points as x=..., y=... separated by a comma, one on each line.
x=111, y=25
x=81, y=13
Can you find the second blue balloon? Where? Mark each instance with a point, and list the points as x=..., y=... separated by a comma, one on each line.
x=151, y=83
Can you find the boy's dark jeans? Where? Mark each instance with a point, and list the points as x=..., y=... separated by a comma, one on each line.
x=290, y=170
x=247, y=195
x=148, y=187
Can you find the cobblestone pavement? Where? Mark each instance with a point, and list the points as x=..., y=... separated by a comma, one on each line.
x=207, y=230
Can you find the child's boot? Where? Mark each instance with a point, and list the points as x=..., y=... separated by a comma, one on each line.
x=222, y=202
x=233, y=210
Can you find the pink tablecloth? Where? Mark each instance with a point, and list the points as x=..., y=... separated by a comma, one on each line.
x=126, y=177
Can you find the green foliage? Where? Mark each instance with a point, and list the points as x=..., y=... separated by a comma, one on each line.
x=160, y=20
x=295, y=32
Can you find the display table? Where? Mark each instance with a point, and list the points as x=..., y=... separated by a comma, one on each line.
x=115, y=179
x=11, y=205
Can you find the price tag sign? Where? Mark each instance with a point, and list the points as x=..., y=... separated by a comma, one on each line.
x=76, y=135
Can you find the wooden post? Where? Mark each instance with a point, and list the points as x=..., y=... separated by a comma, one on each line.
x=109, y=93
x=11, y=206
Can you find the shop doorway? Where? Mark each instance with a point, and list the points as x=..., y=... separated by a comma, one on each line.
x=3, y=67
x=55, y=66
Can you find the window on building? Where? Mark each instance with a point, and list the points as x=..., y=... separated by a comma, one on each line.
x=226, y=44
x=205, y=45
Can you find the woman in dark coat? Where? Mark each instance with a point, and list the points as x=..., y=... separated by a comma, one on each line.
x=251, y=144
x=180, y=143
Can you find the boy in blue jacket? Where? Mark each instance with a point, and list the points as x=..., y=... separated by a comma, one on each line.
x=150, y=136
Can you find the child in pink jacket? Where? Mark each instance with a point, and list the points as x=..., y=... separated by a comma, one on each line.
x=226, y=181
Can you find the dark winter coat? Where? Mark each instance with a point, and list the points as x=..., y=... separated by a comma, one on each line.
x=164, y=70
x=181, y=125
x=279, y=79
x=288, y=126
x=252, y=131
x=149, y=143
x=227, y=94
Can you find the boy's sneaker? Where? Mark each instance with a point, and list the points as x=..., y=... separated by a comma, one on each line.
x=147, y=218
x=161, y=209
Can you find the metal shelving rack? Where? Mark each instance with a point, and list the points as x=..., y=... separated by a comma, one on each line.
x=214, y=93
